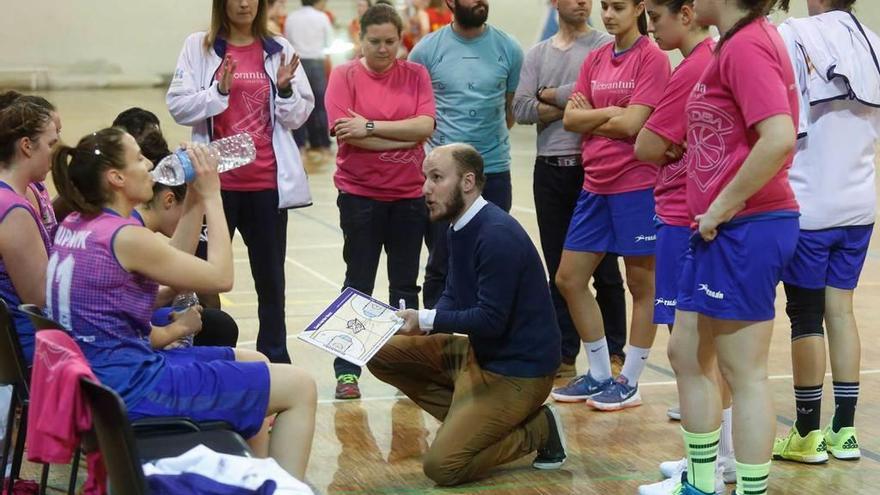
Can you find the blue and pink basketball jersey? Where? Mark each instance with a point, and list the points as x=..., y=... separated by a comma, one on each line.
x=107, y=308
x=10, y=200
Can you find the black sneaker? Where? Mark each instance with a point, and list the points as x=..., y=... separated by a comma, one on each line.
x=552, y=454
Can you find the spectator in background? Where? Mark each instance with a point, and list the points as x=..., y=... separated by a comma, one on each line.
x=438, y=15
x=475, y=69
x=354, y=27
x=379, y=166
x=277, y=15
x=546, y=82
x=417, y=24
x=309, y=31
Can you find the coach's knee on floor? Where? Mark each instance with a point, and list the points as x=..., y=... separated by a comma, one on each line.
x=444, y=469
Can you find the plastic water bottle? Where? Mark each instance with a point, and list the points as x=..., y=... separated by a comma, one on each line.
x=182, y=302
x=232, y=152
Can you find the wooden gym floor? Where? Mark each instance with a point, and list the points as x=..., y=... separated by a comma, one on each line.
x=374, y=445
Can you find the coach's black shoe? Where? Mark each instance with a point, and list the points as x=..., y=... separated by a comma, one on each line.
x=552, y=454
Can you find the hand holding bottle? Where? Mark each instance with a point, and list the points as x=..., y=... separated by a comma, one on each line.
x=204, y=163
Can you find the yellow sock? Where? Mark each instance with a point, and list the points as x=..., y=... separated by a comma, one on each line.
x=752, y=479
x=702, y=454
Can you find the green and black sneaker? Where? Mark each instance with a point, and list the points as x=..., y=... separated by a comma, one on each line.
x=844, y=444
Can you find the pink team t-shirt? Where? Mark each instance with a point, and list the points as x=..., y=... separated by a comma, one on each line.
x=636, y=76
x=750, y=80
x=669, y=122
x=400, y=93
x=248, y=111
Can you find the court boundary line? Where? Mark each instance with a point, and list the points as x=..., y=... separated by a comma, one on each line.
x=641, y=384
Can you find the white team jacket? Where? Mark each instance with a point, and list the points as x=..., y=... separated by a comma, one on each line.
x=194, y=99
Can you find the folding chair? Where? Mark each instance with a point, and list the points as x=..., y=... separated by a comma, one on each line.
x=14, y=371
x=38, y=319
x=123, y=454
x=142, y=427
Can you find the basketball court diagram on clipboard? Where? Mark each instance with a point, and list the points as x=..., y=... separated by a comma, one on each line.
x=354, y=327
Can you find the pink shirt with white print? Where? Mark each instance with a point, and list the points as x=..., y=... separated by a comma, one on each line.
x=249, y=112
x=402, y=92
x=749, y=81
x=669, y=122
x=636, y=76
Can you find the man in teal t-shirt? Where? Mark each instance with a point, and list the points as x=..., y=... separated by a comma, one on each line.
x=474, y=70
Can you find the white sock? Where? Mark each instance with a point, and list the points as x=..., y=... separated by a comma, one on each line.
x=599, y=359
x=725, y=444
x=636, y=359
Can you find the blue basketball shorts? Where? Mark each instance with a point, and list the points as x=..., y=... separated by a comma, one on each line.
x=734, y=277
x=613, y=223
x=829, y=258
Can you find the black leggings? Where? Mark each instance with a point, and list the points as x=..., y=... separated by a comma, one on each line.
x=218, y=329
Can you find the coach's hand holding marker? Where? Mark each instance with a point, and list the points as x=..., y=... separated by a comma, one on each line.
x=410, y=319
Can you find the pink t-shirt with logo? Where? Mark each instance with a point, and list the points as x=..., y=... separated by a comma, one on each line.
x=669, y=122
x=400, y=93
x=636, y=76
x=749, y=81
x=248, y=111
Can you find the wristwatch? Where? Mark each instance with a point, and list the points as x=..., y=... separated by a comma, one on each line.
x=370, y=126
x=538, y=93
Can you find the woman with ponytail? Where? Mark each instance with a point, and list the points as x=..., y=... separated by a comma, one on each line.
x=662, y=141
x=27, y=135
x=833, y=180
x=618, y=87
x=740, y=137
x=103, y=277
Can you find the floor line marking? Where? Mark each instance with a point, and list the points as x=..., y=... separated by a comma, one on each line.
x=317, y=275
x=641, y=384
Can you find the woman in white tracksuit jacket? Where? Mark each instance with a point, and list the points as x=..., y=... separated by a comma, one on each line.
x=236, y=78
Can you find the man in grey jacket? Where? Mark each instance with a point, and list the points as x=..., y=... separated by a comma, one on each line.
x=546, y=82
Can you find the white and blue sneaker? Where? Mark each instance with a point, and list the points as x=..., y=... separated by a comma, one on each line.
x=579, y=389
x=617, y=395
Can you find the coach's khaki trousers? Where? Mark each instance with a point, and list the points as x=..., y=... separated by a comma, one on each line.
x=488, y=419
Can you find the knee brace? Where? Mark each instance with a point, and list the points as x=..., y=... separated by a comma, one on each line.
x=806, y=311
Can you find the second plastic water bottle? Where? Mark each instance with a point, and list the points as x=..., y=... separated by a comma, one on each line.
x=232, y=152
x=181, y=303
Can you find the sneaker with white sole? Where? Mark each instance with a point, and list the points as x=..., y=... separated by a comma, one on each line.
x=617, y=395
x=674, y=470
x=728, y=469
x=844, y=444
x=674, y=413
x=676, y=486
x=552, y=454
x=579, y=389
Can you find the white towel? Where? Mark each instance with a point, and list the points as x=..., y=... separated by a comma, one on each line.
x=244, y=472
x=843, y=55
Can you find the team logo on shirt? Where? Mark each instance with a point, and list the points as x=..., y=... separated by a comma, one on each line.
x=669, y=173
x=708, y=156
x=256, y=120
x=401, y=157
x=646, y=238
x=621, y=89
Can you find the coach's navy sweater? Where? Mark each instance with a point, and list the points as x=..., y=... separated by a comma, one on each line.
x=497, y=294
